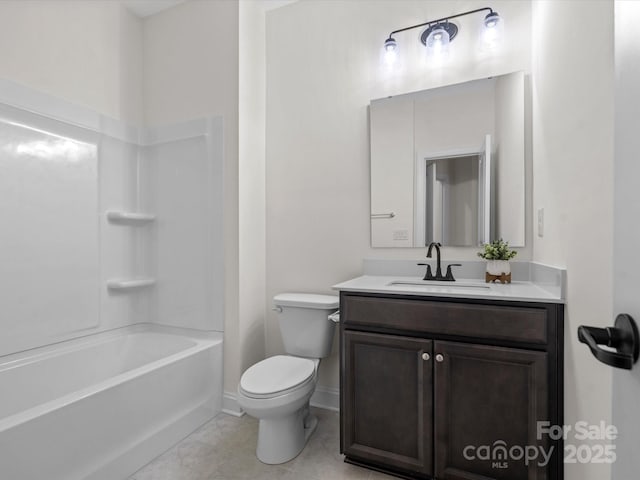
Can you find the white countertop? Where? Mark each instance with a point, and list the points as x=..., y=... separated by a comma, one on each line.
x=461, y=288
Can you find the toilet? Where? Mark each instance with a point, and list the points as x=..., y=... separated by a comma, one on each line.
x=277, y=390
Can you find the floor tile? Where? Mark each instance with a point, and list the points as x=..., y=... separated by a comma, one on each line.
x=224, y=449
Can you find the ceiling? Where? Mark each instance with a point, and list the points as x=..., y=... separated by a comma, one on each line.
x=146, y=8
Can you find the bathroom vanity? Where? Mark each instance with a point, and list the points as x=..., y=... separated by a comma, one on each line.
x=450, y=384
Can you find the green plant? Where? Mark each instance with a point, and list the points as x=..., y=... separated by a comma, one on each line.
x=497, y=250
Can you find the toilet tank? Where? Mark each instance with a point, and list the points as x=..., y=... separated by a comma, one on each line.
x=305, y=329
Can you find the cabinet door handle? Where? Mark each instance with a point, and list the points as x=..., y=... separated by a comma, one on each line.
x=439, y=358
x=426, y=356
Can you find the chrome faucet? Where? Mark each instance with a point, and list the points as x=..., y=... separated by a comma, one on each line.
x=438, y=276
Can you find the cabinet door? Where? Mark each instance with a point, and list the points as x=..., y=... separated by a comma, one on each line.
x=488, y=401
x=387, y=400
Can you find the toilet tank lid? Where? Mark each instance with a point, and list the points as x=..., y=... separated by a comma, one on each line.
x=306, y=300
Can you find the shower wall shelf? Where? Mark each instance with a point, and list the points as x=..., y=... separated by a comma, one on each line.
x=122, y=284
x=131, y=218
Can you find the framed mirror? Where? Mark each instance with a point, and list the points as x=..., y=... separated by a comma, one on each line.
x=448, y=165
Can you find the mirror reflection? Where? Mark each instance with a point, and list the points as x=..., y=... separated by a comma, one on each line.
x=447, y=165
x=450, y=202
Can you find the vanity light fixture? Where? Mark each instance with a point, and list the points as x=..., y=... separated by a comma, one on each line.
x=440, y=32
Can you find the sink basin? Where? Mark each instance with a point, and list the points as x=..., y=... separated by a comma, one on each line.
x=442, y=287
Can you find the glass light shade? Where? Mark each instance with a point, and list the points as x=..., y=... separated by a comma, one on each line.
x=390, y=51
x=492, y=20
x=438, y=41
x=492, y=31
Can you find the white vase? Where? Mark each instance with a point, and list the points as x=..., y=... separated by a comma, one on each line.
x=498, y=267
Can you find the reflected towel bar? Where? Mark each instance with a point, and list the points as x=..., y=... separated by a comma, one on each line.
x=383, y=215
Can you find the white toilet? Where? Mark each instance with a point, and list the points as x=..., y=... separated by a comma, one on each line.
x=277, y=390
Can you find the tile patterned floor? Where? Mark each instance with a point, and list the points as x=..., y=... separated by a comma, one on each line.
x=224, y=449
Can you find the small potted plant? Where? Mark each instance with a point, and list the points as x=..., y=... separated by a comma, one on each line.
x=497, y=254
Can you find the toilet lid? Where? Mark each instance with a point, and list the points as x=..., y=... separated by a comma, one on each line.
x=276, y=374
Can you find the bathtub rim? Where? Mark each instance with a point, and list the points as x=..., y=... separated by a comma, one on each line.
x=203, y=340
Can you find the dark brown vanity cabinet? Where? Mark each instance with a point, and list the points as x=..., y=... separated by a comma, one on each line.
x=445, y=389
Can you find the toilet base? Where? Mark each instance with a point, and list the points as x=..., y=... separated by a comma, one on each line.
x=282, y=439
x=310, y=426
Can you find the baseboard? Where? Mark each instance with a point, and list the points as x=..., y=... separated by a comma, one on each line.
x=326, y=397
x=230, y=405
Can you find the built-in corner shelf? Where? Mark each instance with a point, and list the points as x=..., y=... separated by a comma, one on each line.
x=129, y=218
x=122, y=284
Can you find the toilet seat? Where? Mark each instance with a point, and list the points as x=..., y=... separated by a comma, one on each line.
x=277, y=375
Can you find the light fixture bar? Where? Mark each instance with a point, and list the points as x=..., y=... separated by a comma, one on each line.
x=443, y=19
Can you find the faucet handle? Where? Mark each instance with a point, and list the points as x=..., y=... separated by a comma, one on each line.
x=428, y=275
x=449, y=276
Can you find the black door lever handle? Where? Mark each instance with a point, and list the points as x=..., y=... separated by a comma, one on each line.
x=623, y=337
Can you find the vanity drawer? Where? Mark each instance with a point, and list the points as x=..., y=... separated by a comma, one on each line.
x=521, y=324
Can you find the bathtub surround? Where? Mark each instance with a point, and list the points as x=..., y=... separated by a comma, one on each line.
x=49, y=245
x=109, y=226
x=132, y=170
x=181, y=182
x=134, y=70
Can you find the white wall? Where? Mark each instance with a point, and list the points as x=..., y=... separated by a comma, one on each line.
x=251, y=207
x=626, y=384
x=89, y=53
x=573, y=182
x=323, y=68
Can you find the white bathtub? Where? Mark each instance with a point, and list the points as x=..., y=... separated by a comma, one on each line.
x=102, y=406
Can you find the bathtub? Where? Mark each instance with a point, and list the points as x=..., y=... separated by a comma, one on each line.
x=102, y=406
